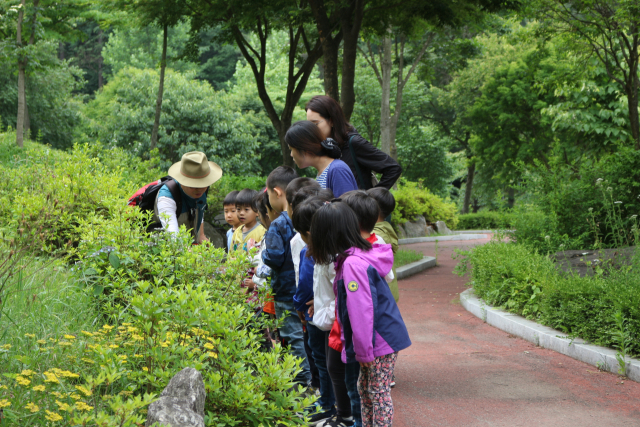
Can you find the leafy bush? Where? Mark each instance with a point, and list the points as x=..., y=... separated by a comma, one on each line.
x=566, y=193
x=523, y=281
x=45, y=192
x=194, y=118
x=412, y=199
x=485, y=220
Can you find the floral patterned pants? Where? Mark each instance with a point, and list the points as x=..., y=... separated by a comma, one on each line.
x=374, y=386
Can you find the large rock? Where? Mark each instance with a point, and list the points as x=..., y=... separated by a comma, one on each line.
x=401, y=233
x=214, y=236
x=430, y=231
x=181, y=403
x=416, y=228
x=442, y=228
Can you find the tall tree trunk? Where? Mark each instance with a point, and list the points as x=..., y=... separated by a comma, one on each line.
x=385, y=104
x=100, y=59
x=330, y=47
x=27, y=118
x=471, y=171
x=61, y=51
x=351, y=23
x=21, y=77
x=163, y=65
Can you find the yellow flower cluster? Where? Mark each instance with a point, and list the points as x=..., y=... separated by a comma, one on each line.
x=81, y=406
x=29, y=335
x=84, y=390
x=52, y=416
x=4, y=403
x=62, y=406
x=22, y=380
x=32, y=407
x=38, y=388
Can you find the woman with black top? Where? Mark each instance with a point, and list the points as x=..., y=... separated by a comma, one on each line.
x=327, y=114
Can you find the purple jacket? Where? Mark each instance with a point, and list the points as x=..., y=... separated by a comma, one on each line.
x=370, y=322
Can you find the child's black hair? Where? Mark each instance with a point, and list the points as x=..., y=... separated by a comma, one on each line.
x=365, y=207
x=281, y=177
x=262, y=202
x=385, y=199
x=246, y=197
x=308, y=192
x=299, y=183
x=335, y=229
x=303, y=211
x=230, y=199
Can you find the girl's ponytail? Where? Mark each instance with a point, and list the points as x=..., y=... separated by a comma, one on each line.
x=331, y=149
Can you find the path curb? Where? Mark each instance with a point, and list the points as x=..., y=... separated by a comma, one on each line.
x=415, y=267
x=442, y=238
x=543, y=336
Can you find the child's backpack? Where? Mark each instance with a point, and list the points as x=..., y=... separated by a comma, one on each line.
x=145, y=197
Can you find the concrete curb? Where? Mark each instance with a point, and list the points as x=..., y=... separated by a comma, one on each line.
x=543, y=336
x=442, y=238
x=415, y=267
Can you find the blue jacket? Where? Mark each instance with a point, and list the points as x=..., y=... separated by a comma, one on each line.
x=304, y=293
x=277, y=255
x=370, y=321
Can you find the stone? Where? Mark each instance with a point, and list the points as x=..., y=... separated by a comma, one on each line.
x=442, y=228
x=401, y=233
x=430, y=231
x=181, y=403
x=416, y=228
x=214, y=236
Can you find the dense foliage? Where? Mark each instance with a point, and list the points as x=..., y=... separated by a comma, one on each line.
x=412, y=199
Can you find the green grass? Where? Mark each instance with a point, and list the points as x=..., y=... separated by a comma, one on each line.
x=40, y=301
x=406, y=256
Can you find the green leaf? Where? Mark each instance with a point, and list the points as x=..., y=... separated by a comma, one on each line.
x=90, y=272
x=114, y=260
x=98, y=290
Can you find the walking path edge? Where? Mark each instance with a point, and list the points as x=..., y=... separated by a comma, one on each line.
x=415, y=267
x=601, y=357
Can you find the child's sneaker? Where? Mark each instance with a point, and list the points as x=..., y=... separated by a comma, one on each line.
x=321, y=417
x=393, y=381
x=337, y=421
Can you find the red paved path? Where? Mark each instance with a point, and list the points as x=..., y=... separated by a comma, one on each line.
x=462, y=372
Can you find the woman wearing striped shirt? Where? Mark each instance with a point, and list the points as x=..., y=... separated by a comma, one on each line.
x=310, y=149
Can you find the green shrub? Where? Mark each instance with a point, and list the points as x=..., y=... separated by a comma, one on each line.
x=523, y=281
x=406, y=256
x=485, y=220
x=412, y=199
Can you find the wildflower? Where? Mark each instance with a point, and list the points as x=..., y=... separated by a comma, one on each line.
x=609, y=189
x=131, y=329
x=41, y=342
x=84, y=390
x=30, y=335
x=50, y=377
x=75, y=396
x=4, y=403
x=64, y=343
x=62, y=406
x=22, y=381
x=126, y=324
x=547, y=237
x=89, y=334
x=634, y=216
x=27, y=373
x=114, y=346
x=70, y=337
x=6, y=346
x=81, y=406
x=32, y=407
x=52, y=416
x=126, y=393
x=590, y=209
x=618, y=202
x=68, y=374
x=208, y=346
x=57, y=394
x=144, y=368
x=137, y=337
x=84, y=359
x=38, y=388
x=138, y=356
x=212, y=354
x=107, y=327
x=3, y=387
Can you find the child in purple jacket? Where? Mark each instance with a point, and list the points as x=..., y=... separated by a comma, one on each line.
x=373, y=331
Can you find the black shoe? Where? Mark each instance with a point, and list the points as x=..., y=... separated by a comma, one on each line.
x=321, y=417
x=337, y=421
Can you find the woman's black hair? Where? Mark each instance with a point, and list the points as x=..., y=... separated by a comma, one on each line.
x=246, y=197
x=230, y=199
x=365, y=207
x=385, y=200
x=305, y=136
x=331, y=110
x=261, y=201
x=298, y=183
x=334, y=230
x=309, y=192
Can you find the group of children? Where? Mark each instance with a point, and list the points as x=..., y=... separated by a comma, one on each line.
x=332, y=284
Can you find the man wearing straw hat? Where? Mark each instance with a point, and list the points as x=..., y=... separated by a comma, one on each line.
x=193, y=175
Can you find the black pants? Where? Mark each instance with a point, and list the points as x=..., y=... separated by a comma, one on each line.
x=337, y=372
x=315, y=377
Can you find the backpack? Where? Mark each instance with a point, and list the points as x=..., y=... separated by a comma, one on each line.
x=145, y=197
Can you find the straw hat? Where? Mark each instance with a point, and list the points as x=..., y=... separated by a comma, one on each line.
x=194, y=170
